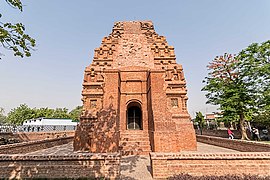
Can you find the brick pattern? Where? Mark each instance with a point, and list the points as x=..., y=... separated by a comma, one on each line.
x=68, y=166
x=33, y=136
x=134, y=143
x=31, y=146
x=134, y=66
x=220, y=133
x=239, y=145
x=164, y=165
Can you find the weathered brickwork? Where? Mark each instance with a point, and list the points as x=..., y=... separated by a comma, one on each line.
x=34, y=136
x=134, y=95
x=30, y=146
x=220, y=133
x=68, y=166
x=164, y=165
x=236, y=144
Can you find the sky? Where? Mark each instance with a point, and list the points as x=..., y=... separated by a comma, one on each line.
x=67, y=31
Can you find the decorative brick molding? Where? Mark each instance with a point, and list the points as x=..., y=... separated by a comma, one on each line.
x=164, y=165
x=239, y=145
x=31, y=146
x=70, y=166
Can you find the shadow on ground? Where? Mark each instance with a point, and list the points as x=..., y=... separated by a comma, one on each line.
x=135, y=167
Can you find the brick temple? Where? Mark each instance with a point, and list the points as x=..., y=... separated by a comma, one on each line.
x=134, y=95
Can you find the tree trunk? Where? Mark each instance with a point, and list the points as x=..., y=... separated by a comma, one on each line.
x=242, y=127
x=201, y=126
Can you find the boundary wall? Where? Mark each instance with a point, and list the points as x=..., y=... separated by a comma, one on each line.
x=220, y=133
x=69, y=166
x=26, y=147
x=33, y=136
x=236, y=144
x=166, y=165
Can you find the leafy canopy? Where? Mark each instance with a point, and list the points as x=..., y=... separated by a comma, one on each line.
x=23, y=112
x=199, y=119
x=239, y=84
x=13, y=36
x=2, y=116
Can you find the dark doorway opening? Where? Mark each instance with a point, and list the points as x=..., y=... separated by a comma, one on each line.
x=134, y=117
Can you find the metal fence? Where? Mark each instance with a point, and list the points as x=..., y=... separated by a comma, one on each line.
x=37, y=128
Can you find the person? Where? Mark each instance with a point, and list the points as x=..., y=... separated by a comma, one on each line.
x=257, y=134
x=230, y=133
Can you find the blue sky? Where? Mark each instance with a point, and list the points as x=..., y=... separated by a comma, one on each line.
x=68, y=31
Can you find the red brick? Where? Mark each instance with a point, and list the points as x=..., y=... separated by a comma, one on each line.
x=134, y=66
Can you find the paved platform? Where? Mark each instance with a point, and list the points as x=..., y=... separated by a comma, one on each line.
x=67, y=149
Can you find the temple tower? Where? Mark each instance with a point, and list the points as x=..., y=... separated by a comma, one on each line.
x=134, y=95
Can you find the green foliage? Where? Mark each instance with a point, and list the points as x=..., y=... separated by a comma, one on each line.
x=60, y=113
x=200, y=120
x=240, y=84
x=13, y=36
x=44, y=112
x=51, y=113
x=254, y=62
x=19, y=114
x=3, y=118
x=23, y=112
x=76, y=113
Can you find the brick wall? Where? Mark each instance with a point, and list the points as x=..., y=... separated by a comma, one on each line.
x=69, y=166
x=164, y=165
x=239, y=145
x=33, y=136
x=219, y=133
x=31, y=146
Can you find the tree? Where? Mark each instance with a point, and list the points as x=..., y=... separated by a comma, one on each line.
x=239, y=84
x=20, y=114
x=60, y=113
x=3, y=118
x=44, y=112
x=200, y=120
x=51, y=113
x=76, y=113
x=23, y=112
x=255, y=64
x=13, y=36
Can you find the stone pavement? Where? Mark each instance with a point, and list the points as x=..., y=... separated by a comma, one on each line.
x=67, y=149
x=132, y=167
x=207, y=148
x=135, y=167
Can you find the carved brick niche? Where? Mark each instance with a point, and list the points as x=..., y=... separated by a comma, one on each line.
x=134, y=95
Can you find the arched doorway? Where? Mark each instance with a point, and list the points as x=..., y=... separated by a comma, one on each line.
x=134, y=116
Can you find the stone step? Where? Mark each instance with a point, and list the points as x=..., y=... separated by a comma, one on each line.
x=134, y=136
x=131, y=132
x=142, y=149
x=135, y=143
x=139, y=139
x=128, y=153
